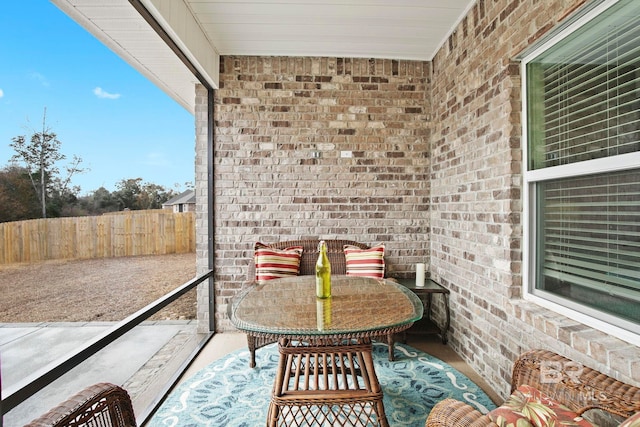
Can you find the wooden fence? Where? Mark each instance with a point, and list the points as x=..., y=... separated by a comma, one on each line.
x=150, y=232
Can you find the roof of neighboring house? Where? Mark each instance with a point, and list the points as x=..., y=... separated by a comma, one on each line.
x=185, y=197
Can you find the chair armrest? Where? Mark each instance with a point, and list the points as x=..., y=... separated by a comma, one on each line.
x=576, y=386
x=451, y=412
x=101, y=404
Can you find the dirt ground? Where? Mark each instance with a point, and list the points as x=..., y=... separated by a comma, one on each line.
x=107, y=289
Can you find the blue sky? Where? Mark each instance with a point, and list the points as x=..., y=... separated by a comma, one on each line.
x=102, y=110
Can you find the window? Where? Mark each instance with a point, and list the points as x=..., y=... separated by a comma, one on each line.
x=582, y=132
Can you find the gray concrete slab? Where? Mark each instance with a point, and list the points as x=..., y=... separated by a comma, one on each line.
x=148, y=348
x=26, y=350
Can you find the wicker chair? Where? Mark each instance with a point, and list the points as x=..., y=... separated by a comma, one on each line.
x=101, y=404
x=592, y=390
x=335, y=252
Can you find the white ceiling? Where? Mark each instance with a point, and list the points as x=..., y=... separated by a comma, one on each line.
x=400, y=29
x=396, y=29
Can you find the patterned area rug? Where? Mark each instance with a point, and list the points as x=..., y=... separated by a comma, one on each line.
x=229, y=393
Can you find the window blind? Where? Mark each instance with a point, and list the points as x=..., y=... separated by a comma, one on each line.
x=582, y=104
x=584, y=94
x=590, y=237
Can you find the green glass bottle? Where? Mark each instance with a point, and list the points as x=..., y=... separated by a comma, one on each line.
x=323, y=272
x=323, y=313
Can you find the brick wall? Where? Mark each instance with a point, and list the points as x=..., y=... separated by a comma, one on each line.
x=435, y=173
x=476, y=193
x=319, y=148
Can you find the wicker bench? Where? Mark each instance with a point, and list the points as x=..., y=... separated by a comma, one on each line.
x=335, y=252
x=586, y=392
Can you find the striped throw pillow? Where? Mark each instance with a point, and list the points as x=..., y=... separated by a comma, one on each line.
x=272, y=263
x=365, y=262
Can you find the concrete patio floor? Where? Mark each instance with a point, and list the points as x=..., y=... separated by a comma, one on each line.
x=142, y=361
x=222, y=344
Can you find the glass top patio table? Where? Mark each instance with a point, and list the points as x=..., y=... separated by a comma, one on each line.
x=358, y=307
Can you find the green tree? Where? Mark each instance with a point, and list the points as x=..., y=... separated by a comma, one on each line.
x=103, y=201
x=17, y=199
x=153, y=196
x=127, y=193
x=135, y=194
x=40, y=155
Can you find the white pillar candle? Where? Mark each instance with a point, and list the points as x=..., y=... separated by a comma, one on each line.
x=420, y=273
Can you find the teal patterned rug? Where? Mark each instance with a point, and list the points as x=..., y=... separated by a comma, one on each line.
x=229, y=393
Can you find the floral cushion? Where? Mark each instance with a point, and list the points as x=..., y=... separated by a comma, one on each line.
x=529, y=407
x=272, y=263
x=365, y=262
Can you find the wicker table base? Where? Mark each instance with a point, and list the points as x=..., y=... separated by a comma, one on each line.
x=326, y=382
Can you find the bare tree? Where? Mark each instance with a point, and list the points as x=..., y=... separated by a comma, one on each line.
x=40, y=155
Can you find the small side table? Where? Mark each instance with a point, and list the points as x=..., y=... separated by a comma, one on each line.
x=426, y=326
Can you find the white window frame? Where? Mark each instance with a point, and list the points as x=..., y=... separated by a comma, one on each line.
x=530, y=178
